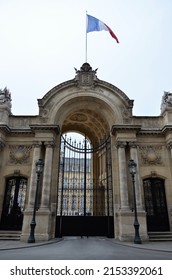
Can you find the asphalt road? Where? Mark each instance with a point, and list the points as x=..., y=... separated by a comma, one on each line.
x=75, y=248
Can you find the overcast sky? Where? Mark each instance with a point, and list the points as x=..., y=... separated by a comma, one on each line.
x=41, y=41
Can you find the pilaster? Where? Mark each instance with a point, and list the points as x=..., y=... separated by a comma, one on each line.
x=36, y=155
x=123, y=176
x=46, y=186
x=32, y=192
x=134, y=156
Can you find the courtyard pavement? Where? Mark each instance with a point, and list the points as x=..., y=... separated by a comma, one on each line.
x=164, y=246
x=73, y=248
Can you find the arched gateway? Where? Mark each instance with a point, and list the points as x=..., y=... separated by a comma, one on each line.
x=85, y=189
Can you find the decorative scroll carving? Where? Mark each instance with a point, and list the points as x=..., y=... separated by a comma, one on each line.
x=151, y=155
x=37, y=144
x=19, y=154
x=169, y=145
x=121, y=144
x=133, y=145
x=49, y=144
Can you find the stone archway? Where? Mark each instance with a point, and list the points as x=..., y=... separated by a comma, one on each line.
x=86, y=105
x=85, y=92
x=88, y=118
x=96, y=109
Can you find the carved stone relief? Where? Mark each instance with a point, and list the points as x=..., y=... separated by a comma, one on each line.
x=126, y=114
x=166, y=101
x=5, y=97
x=85, y=76
x=19, y=154
x=151, y=155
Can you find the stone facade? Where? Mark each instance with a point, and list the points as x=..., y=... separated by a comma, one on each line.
x=96, y=108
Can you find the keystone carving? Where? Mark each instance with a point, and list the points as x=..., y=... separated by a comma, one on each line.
x=86, y=76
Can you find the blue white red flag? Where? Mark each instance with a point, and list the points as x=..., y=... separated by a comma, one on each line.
x=94, y=24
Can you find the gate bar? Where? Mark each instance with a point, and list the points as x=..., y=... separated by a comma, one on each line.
x=85, y=173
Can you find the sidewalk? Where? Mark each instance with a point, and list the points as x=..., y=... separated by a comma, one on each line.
x=165, y=246
x=13, y=244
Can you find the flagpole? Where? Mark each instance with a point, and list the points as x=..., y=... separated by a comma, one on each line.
x=86, y=40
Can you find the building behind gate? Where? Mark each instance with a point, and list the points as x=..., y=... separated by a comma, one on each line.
x=87, y=190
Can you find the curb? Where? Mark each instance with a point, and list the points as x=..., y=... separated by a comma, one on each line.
x=140, y=247
x=31, y=246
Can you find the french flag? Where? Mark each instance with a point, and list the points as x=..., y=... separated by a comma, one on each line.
x=94, y=24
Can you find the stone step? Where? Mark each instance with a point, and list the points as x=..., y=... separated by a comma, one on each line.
x=160, y=236
x=10, y=235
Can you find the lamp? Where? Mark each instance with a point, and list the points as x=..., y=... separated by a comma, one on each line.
x=39, y=169
x=132, y=169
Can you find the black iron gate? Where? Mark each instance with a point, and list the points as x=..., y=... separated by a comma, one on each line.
x=155, y=204
x=85, y=200
x=14, y=203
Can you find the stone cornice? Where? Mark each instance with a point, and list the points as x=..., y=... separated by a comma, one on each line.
x=21, y=131
x=142, y=131
x=166, y=129
x=5, y=128
x=51, y=127
x=8, y=130
x=157, y=131
x=125, y=128
x=150, y=131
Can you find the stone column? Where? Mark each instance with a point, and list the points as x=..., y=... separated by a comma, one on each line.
x=134, y=156
x=47, y=175
x=123, y=176
x=33, y=178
